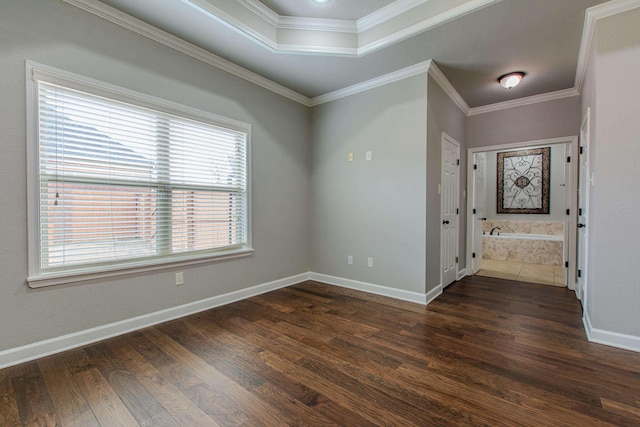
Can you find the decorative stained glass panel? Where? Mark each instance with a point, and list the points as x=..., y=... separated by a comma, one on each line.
x=523, y=181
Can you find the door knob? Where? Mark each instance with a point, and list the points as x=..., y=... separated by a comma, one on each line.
x=445, y=222
x=581, y=225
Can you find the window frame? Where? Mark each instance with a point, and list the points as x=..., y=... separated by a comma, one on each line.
x=37, y=278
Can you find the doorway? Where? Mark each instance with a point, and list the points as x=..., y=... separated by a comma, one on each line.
x=551, y=258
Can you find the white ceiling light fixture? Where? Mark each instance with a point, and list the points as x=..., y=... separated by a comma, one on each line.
x=320, y=1
x=511, y=80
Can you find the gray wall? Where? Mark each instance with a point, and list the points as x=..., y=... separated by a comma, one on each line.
x=557, y=187
x=371, y=209
x=63, y=36
x=442, y=116
x=543, y=120
x=616, y=200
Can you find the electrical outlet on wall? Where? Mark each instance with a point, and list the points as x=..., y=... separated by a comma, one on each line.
x=179, y=278
x=350, y=260
x=369, y=262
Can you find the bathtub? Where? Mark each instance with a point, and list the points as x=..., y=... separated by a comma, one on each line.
x=525, y=236
x=526, y=248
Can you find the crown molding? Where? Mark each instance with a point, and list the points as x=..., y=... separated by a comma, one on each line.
x=386, y=79
x=424, y=25
x=137, y=26
x=314, y=24
x=445, y=84
x=261, y=10
x=386, y=13
x=520, y=102
x=592, y=15
x=133, y=24
x=352, y=47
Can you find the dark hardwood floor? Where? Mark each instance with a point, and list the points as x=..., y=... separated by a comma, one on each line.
x=486, y=352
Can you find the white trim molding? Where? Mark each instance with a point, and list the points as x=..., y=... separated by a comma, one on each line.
x=55, y=345
x=394, y=10
x=386, y=79
x=520, y=102
x=137, y=26
x=613, y=339
x=410, y=296
x=592, y=15
x=78, y=339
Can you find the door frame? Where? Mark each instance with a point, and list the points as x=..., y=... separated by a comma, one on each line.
x=571, y=197
x=584, y=142
x=449, y=139
x=472, y=198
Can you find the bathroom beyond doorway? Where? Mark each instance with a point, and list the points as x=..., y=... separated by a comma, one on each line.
x=532, y=273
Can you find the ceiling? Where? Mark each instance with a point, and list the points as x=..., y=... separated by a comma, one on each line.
x=315, y=50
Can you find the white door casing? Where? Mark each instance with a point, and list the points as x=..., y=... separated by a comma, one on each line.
x=583, y=204
x=449, y=202
x=478, y=201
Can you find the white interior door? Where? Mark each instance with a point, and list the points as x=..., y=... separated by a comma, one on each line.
x=479, y=201
x=583, y=205
x=449, y=209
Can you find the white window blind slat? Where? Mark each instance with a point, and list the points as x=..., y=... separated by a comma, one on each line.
x=121, y=182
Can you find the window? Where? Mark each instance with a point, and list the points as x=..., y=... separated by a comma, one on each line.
x=125, y=181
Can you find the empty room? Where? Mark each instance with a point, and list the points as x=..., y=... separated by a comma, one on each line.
x=319, y=212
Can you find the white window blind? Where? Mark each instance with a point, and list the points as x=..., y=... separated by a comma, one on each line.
x=121, y=184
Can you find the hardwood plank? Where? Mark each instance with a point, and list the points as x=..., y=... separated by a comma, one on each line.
x=32, y=398
x=103, y=400
x=141, y=404
x=485, y=352
x=176, y=403
x=70, y=405
x=8, y=406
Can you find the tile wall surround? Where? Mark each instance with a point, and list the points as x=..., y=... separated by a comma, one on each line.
x=549, y=228
x=546, y=252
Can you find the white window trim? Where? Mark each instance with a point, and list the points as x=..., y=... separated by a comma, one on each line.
x=36, y=278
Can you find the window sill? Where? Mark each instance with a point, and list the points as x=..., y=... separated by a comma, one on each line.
x=61, y=278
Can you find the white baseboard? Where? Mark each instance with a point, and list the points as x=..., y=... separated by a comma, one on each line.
x=39, y=349
x=44, y=348
x=461, y=274
x=386, y=291
x=613, y=339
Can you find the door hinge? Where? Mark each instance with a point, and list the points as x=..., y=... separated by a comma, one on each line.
x=473, y=255
x=456, y=260
x=475, y=167
x=581, y=150
x=580, y=211
x=579, y=273
x=474, y=211
x=566, y=264
x=458, y=162
x=457, y=211
x=568, y=211
x=568, y=159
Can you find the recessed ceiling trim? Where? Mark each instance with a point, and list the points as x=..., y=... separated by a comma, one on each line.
x=424, y=25
x=386, y=13
x=261, y=10
x=395, y=30
x=140, y=27
x=592, y=15
x=124, y=20
x=315, y=24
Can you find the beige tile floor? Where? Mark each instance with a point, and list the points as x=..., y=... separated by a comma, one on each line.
x=534, y=273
